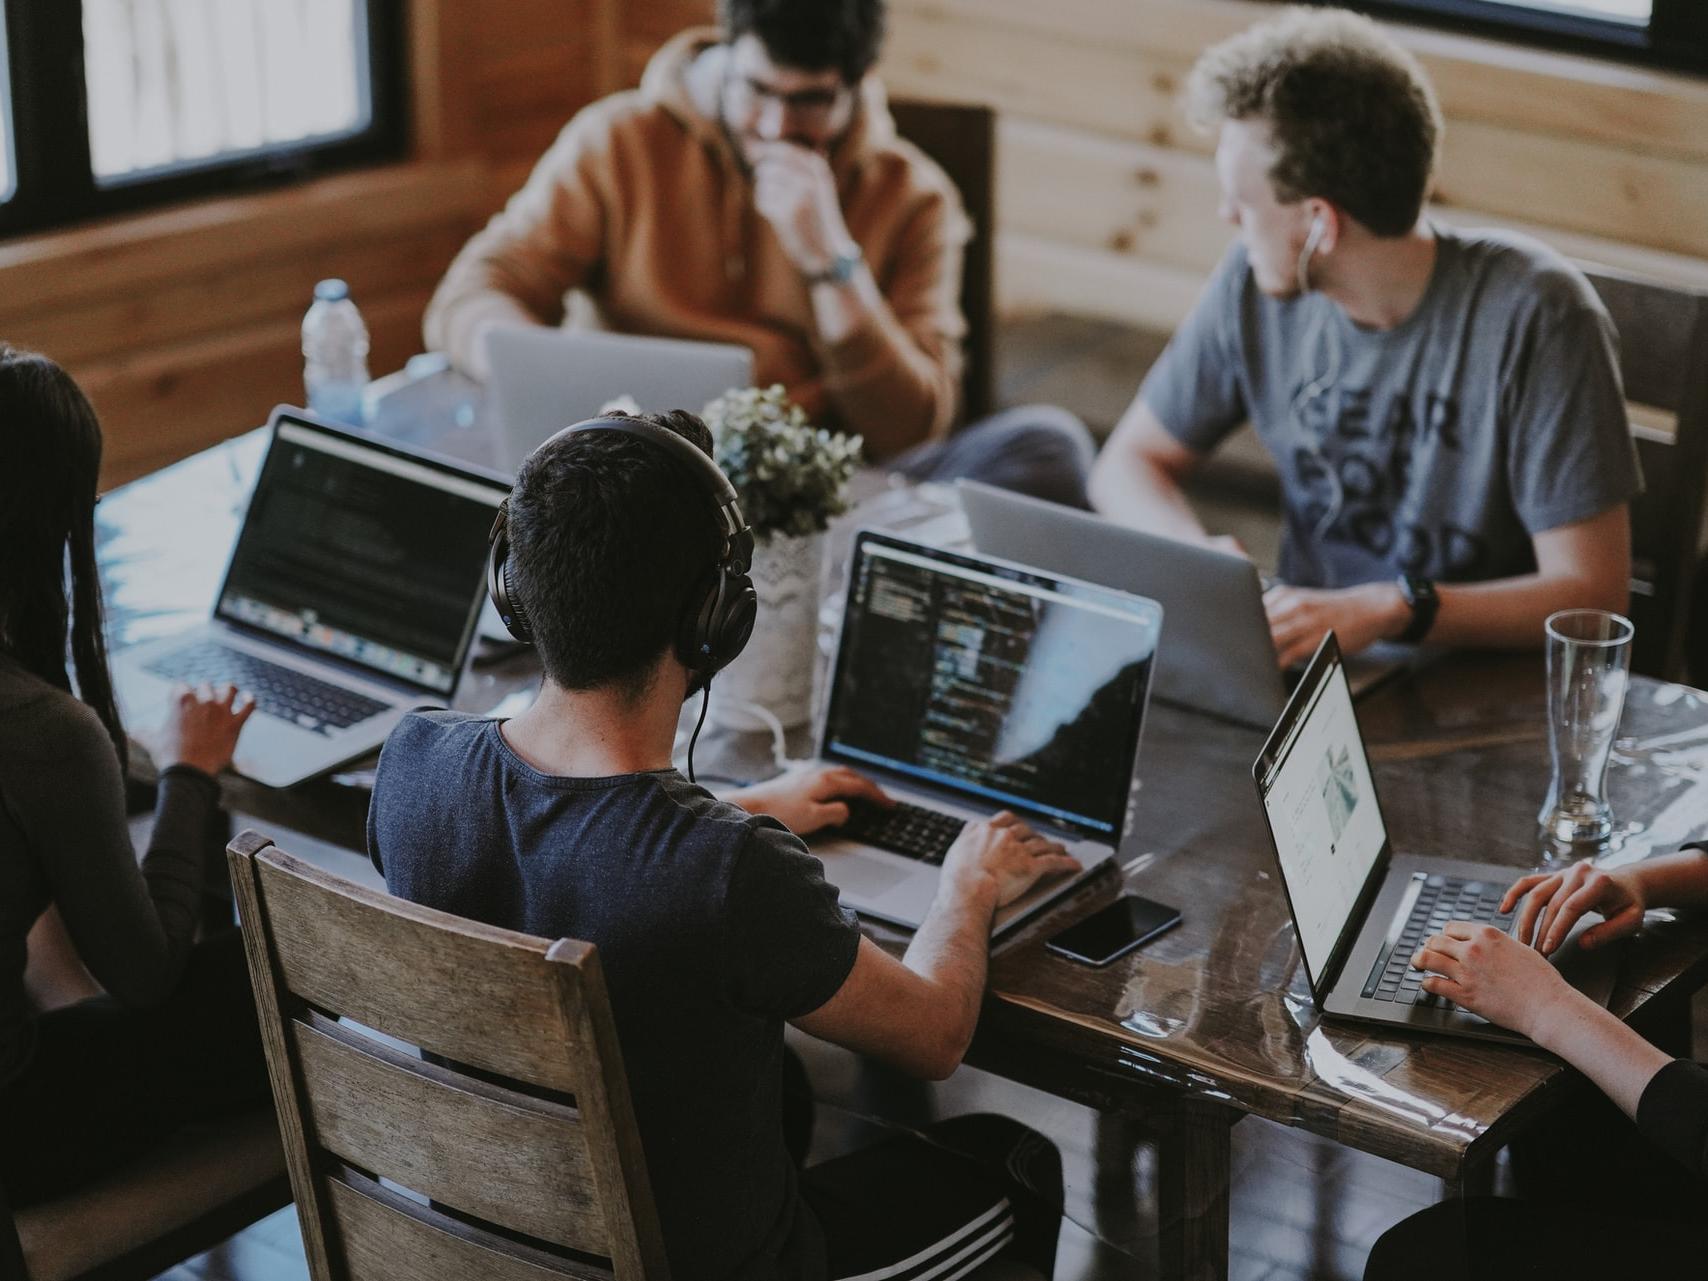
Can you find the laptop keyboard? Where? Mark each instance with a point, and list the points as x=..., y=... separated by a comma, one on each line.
x=279, y=691
x=909, y=830
x=1439, y=899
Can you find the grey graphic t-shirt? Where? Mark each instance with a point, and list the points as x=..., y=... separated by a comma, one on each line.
x=1493, y=412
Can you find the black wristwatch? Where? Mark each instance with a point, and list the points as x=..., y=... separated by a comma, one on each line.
x=1420, y=597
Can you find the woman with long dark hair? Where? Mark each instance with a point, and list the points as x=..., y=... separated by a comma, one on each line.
x=173, y=1038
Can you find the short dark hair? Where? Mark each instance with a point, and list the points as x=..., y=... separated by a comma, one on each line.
x=1352, y=116
x=608, y=536
x=814, y=35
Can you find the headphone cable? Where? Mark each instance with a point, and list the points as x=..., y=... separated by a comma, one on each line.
x=705, y=700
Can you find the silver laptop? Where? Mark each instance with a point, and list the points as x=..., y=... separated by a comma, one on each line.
x=1361, y=910
x=350, y=598
x=1220, y=657
x=543, y=379
x=968, y=686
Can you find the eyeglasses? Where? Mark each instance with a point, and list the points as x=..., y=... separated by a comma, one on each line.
x=809, y=106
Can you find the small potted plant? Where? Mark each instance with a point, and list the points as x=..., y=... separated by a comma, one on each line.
x=791, y=478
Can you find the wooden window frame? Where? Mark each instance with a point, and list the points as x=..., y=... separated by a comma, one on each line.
x=54, y=181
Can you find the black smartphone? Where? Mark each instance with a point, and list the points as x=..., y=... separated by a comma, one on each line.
x=1114, y=930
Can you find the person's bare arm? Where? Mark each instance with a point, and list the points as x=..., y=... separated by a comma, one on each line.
x=1496, y=976
x=919, y=1013
x=1582, y=565
x=1139, y=476
x=1586, y=565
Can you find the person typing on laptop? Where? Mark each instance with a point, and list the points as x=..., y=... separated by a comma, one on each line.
x=715, y=926
x=1444, y=407
x=90, y=1078
x=1508, y=979
x=754, y=191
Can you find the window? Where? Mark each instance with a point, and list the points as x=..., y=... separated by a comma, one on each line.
x=1671, y=33
x=165, y=99
x=5, y=119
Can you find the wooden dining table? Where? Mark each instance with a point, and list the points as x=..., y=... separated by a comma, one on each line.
x=1213, y=1021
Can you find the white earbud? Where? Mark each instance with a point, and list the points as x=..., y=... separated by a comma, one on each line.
x=1313, y=238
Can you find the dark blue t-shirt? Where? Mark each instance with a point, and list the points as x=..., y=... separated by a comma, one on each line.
x=713, y=927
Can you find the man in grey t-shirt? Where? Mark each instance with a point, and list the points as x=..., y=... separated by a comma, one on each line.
x=1443, y=408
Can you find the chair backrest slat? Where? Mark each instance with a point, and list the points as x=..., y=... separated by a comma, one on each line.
x=493, y=1002
x=523, y=1163
x=524, y=1179
x=390, y=1238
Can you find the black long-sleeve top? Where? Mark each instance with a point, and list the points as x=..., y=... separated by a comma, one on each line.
x=64, y=841
x=1673, y=1111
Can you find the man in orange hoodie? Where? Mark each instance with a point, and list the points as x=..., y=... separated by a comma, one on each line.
x=753, y=190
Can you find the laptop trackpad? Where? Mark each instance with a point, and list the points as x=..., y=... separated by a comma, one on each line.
x=1595, y=972
x=862, y=878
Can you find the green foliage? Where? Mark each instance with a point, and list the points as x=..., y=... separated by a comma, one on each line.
x=790, y=476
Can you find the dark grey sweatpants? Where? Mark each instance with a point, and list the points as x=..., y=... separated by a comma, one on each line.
x=1041, y=450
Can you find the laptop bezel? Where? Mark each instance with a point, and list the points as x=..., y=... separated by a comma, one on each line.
x=287, y=414
x=964, y=797
x=1324, y=666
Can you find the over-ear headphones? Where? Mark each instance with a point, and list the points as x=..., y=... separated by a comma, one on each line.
x=718, y=617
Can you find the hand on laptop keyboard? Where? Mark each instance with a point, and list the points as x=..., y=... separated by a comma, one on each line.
x=1492, y=974
x=813, y=797
x=201, y=727
x=1009, y=853
x=1553, y=902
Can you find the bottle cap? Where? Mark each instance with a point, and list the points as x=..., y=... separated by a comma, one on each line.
x=331, y=291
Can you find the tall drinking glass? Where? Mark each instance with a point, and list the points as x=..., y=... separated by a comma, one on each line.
x=1589, y=663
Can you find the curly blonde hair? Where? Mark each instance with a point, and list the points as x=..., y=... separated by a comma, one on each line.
x=1352, y=116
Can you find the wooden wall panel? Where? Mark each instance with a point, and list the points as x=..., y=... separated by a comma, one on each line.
x=174, y=400
x=645, y=26
x=1122, y=200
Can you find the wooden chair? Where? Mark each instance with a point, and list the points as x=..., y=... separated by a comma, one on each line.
x=962, y=139
x=517, y=1159
x=177, y=1201
x=1663, y=341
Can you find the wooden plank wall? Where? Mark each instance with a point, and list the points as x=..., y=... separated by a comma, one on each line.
x=1107, y=200
x=183, y=324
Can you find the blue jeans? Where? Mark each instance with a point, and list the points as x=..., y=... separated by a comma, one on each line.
x=1040, y=450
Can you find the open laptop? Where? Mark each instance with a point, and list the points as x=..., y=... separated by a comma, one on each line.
x=542, y=379
x=1361, y=910
x=1220, y=657
x=350, y=598
x=968, y=686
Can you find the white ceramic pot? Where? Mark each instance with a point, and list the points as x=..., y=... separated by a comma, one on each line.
x=775, y=671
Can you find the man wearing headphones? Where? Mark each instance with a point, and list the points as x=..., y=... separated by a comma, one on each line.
x=1444, y=408
x=622, y=554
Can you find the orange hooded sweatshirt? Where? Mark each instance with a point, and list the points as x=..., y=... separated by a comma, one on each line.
x=643, y=203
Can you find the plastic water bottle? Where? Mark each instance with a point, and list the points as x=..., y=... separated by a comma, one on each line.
x=335, y=354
